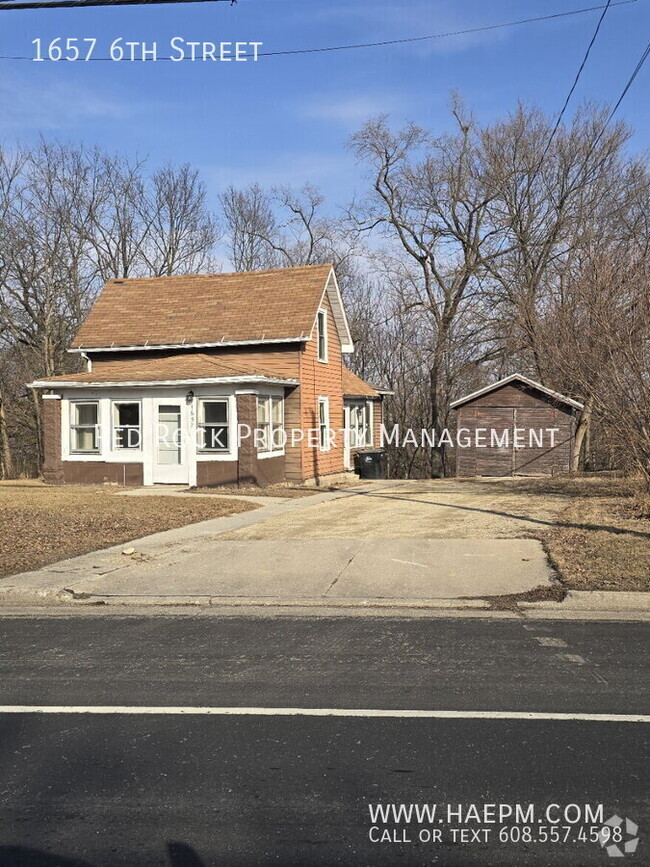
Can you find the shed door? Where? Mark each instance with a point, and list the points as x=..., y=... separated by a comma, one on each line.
x=544, y=454
x=495, y=459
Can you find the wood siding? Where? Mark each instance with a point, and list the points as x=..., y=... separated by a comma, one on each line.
x=277, y=360
x=292, y=421
x=524, y=408
x=322, y=379
x=102, y=473
x=377, y=421
x=213, y=473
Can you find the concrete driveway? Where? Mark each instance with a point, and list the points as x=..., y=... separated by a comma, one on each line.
x=423, y=509
x=398, y=542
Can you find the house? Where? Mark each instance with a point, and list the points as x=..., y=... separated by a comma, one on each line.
x=515, y=427
x=210, y=379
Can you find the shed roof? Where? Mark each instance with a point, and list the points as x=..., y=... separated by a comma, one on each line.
x=517, y=377
x=201, y=310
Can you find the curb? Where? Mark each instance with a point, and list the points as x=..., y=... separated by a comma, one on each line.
x=595, y=600
x=14, y=596
x=578, y=605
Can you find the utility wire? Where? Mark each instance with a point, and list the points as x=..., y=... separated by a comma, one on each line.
x=8, y=5
x=575, y=81
x=630, y=82
x=624, y=92
x=540, y=162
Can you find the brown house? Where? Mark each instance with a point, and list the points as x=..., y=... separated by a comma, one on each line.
x=514, y=427
x=210, y=379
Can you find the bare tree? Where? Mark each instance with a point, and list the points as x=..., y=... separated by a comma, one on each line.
x=284, y=227
x=430, y=202
x=250, y=222
x=69, y=219
x=181, y=232
x=554, y=196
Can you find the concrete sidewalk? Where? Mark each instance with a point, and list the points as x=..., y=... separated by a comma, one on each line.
x=306, y=570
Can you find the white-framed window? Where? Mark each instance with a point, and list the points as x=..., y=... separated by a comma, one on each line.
x=213, y=421
x=270, y=423
x=321, y=329
x=84, y=426
x=127, y=424
x=324, y=423
x=360, y=424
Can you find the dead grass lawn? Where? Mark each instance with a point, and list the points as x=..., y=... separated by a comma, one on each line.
x=601, y=537
x=41, y=524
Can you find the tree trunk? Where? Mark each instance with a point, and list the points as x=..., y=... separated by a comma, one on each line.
x=584, y=423
x=6, y=458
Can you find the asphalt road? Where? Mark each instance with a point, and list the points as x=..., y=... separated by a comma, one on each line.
x=94, y=789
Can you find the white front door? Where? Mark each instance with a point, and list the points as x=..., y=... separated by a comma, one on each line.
x=170, y=465
x=347, y=456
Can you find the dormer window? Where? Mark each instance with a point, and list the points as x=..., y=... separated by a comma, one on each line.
x=321, y=326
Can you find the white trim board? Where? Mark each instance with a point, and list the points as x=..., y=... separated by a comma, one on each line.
x=217, y=380
x=135, y=710
x=338, y=312
x=148, y=346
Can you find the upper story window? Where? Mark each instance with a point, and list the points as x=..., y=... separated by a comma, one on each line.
x=213, y=425
x=127, y=425
x=270, y=423
x=321, y=327
x=84, y=426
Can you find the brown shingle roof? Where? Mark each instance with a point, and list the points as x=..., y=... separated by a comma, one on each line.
x=205, y=308
x=185, y=366
x=354, y=386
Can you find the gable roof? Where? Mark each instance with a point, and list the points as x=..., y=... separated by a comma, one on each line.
x=201, y=310
x=354, y=386
x=185, y=367
x=517, y=377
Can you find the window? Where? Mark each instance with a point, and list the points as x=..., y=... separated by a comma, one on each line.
x=360, y=424
x=84, y=427
x=126, y=426
x=213, y=424
x=324, y=423
x=270, y=422
x=321, y=320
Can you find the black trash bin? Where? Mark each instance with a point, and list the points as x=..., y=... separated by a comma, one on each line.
x=370, y=464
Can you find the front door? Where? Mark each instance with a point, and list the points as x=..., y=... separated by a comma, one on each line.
x=347, y=454
x=170, y=451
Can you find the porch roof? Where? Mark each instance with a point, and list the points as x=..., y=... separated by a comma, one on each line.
x=354, y=386
x=193, y=367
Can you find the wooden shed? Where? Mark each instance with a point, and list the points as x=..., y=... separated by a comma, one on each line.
x=515, y=427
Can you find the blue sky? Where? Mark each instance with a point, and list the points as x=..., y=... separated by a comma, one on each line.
x=287, y=119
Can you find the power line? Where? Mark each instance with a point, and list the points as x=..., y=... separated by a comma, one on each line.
x=630, y=82
x=465, y=32
x=576, y=79
x=628, y=85
x=76, y=4
x=19, y=4
x=540, y=162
